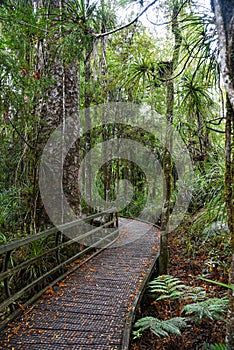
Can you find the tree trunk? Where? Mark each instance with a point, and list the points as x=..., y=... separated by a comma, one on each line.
x=59, y=102
x=224, y=18
x=229, y=197
x=88, y=123
x=168, y=147
x=167, y=183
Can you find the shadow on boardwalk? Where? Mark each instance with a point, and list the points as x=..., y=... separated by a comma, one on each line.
x=89, y=309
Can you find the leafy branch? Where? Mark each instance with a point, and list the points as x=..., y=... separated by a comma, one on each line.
x=101, y=35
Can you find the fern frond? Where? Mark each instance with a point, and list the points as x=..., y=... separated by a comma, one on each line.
x=212, y=308
x=174, y=325
x=158, y=327
x=220, y=346
x=174, y=295
x=168, y=286
x=196, y=294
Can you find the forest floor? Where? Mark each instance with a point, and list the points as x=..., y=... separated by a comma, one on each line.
x=187, y=264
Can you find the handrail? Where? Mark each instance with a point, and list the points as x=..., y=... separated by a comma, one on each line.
x=29, y=239
x=26, y=263
x=102, y=241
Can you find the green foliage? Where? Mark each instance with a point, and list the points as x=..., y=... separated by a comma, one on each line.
x=168, y=286
x=158, y=327
x=195, y=294
x=141, y=71
x=212, y=308
x=11, y=207
x=207, y=346
x=195, y=96
x=37, y=268
x=3, y=238
x=218, y=283
x=208, y=187
x=171, y=288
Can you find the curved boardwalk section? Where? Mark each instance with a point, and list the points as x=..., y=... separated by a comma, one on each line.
x=88, y=310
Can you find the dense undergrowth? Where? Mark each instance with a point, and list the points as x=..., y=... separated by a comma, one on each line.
x=194, y=308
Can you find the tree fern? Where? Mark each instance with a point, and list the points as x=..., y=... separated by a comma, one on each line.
x=212, y=308
x=168, y=286
x=158, y=327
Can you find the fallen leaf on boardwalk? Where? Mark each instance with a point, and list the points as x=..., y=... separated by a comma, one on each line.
x=132, y=296
x=16, y=329
x=154, y=247
x=124, y=231
x=21, y=307
x=49, y=291
x=92, y=270
x=78, y=261
x=143, y=274
x=40, y=331
x=61, y=284
x=129, y=308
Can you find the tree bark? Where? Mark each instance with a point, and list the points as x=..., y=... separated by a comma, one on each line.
x=224, y=18
x=168, y=147
x=59, y=103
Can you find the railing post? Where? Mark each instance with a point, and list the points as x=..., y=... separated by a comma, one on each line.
x=58, y=240
x=116, y=219
x=111, y=217
x=5, y=281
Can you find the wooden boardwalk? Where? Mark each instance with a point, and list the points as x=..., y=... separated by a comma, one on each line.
x=89, y=310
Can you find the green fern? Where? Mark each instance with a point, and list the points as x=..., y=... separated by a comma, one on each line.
x=212, y=308
x=158, y=327
x=168, y=286
x=207, y=346
x=195, y=294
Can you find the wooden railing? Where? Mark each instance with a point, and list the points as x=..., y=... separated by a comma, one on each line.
x=30, y=265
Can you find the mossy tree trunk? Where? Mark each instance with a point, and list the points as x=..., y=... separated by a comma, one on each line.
x=229, y=197
x=58, y=103
x=224, y=18
x=167, y=163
